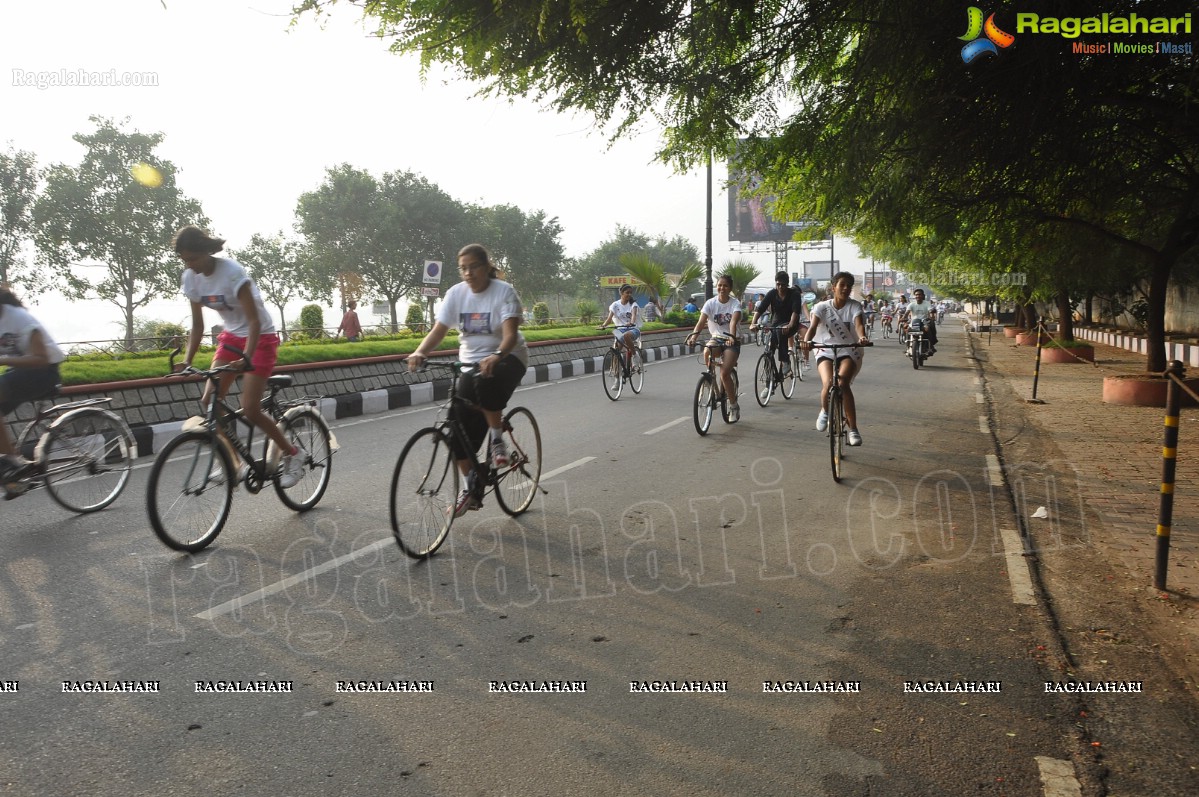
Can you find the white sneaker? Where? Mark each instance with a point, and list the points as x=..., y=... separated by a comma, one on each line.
x=734, y=413
x=499, y=453
x=293, y=467
x=822, y=421
x=855, y=439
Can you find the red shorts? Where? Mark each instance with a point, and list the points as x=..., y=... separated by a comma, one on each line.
x=263, y=358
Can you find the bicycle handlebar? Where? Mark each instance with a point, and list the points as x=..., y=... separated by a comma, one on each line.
x=841, y=345
x=210, y=373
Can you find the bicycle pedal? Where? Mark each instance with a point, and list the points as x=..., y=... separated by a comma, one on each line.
x=15, y=490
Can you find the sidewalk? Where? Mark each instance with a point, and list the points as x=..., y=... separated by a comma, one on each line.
x=1116, y=455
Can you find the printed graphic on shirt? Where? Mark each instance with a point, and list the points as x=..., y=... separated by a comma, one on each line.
x=723, y=319
x=8, y=344
x=475, y=323
x=216, y=301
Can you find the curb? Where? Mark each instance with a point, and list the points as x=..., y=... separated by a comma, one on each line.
x=150, y=438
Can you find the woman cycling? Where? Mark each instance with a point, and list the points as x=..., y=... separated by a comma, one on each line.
x=838, y=321
x=487, y=312
x=722, y=314
x=625, y=313
x=31, y=358
x=222, y=284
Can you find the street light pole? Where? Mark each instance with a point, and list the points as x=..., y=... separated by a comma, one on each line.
x=708, y=293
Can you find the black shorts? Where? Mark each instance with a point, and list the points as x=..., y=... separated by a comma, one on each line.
x=490, y=393
x=19, y=385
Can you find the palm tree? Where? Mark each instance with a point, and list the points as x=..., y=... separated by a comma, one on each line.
x=742, y=272
x=652, y=279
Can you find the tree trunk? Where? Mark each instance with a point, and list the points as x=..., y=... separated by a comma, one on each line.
x=282, y=324
x=1159, y=281
x=1065, y=313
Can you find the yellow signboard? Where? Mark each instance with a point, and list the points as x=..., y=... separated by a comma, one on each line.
x=616, y=282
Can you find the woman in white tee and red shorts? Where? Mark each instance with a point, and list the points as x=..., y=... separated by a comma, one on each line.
x=222, y=284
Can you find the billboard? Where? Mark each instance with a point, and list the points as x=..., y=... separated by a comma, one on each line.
x=748, y=217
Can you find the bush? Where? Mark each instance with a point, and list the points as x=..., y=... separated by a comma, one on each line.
x=157, y=335
x=541, y=313
x=312, y=321
x=416, y=315
x=586, y=310
x=680, y=319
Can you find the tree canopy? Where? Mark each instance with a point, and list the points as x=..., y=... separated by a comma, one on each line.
x=18, y=188
x=866, y=116
x=98, y=215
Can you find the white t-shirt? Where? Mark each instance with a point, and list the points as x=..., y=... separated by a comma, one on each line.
x=720, y=314
x=624, y=315
x=480, y=318
x=219, y=291
x=16, y=328
x=920, y=310
x=837, y=326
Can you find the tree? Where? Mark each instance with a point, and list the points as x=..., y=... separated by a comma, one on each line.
x=18, y=188
x=525, y=246
x=280, y=270
x=673, y=255
x=383, y=229
x=653, y=280
x=862, y=114
x=742, y=272
x=97, y=214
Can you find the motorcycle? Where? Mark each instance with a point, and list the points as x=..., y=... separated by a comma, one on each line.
x=919, y=347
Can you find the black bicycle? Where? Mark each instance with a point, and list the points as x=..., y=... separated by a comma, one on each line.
x=618, y=370
x=191, y=482
x=768, y=376
x=709, y=391
x=425, y=486
x=837, y=429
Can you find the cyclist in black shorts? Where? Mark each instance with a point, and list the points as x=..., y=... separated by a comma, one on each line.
x=785, y=304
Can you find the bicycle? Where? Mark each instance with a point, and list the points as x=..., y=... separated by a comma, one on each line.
x=888, y=330
x=424, y=487
x=710, y=390
x=768, y=376
x=191, y=485
x=837, y=430
x=81, y=454
x=617, y=370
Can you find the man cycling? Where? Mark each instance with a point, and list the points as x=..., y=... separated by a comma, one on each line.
x=786, y=305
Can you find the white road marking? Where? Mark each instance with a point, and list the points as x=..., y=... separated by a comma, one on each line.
x=979, y=398
x=235, y=604
x=994, y=472
x=1057, y=777
x=983, y=425
x=1017, y=568
x=665, y=426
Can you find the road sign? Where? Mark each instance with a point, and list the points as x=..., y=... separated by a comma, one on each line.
x=432, y=273
x=427, y=290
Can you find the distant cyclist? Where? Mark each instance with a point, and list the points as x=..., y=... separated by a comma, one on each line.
x=624, y=312
x=838, y=321
x=722, y=315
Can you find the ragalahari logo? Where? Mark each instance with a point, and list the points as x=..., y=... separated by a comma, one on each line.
x=975, y=28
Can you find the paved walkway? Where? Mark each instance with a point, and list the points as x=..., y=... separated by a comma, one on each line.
x=1116, y=452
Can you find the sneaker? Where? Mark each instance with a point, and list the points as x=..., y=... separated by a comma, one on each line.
x=855, y=439
x=467, y=502
x=499, y=453
x=13, y=467
x=786, y=369
x=822, y=421
x=293, y=467
x=734, y=413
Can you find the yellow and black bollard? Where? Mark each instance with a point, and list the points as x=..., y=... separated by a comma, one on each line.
x=1165, y=512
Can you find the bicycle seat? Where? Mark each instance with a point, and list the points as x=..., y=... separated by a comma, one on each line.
x=280, y=380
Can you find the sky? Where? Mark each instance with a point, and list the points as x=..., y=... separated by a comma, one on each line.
x=254, y=110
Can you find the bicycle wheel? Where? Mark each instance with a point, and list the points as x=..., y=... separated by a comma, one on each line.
x=796, y=375
x=190, y=492
x=612, y=376
x=31, y=435
x=915, y=347
x=764, y=378
x=836, y=432
x=704, y=401
x=516, y=485
x=424, y=490
x=307, y=429
x=86, y=457
x=637, y=372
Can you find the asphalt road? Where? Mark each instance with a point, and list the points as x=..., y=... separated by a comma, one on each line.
x=657, y=555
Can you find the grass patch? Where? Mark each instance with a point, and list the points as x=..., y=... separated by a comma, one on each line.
x=90, y=369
